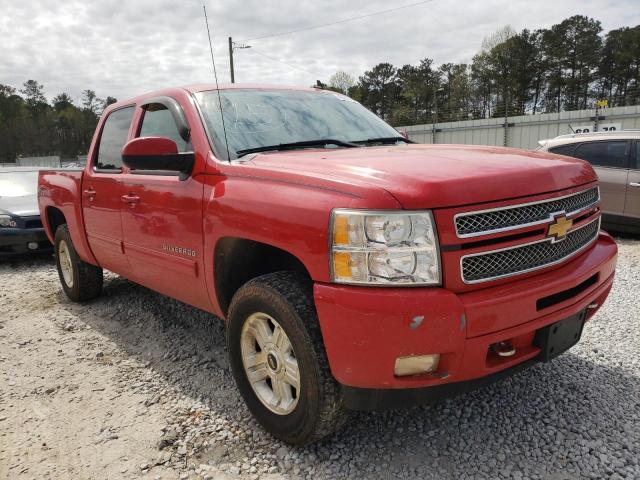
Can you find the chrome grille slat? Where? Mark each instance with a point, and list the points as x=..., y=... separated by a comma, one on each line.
x=471, y=224
x=486, y=266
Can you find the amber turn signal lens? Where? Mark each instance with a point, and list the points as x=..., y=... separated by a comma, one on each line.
x=342, y=264
x=341, y=230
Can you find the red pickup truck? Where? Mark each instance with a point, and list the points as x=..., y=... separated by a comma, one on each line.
x=354, y=269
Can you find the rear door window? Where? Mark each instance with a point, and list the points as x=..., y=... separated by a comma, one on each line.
x=611, y=154
x=158, y=122
x=114, y=135
x=564, y=149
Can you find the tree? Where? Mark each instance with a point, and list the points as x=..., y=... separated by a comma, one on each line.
x=583, y=47
x=6, y=91
x=13, y=115
x=34, y=97
x=572, y=50
x=109, y=100
x=453, y=92
x=534, y=66
x=566, y=66
x=341, y=81
x=619, y=68
x=31, y=126
x=510, y=72
x=379, y=89
x=61, y=102
x=483, y=85
x=91, y=102
x=417, y=85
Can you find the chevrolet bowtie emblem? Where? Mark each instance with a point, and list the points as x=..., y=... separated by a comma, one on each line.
x=559, y=228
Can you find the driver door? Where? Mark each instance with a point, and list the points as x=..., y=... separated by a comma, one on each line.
x=162, y=218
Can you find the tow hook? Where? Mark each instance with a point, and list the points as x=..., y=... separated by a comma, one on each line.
x=503, y=349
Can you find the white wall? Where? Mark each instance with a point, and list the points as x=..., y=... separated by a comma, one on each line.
x=52, y=161
x=524, y=131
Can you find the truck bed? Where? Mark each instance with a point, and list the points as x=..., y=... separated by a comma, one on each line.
x=60, y=201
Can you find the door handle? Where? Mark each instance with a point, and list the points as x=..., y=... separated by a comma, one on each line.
x=90, y=193
x=130, y=199
x=635, y=184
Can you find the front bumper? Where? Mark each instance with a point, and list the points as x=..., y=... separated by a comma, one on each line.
x=366, y=329
x=16, y=240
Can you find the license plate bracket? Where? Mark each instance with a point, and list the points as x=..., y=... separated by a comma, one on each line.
x=559, y=337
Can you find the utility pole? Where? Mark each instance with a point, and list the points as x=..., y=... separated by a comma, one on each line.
x=506, y=115
x=232, y=47
x=233, y=80
x=434, y=120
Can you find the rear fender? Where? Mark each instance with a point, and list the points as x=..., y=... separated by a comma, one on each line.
x=62, y=190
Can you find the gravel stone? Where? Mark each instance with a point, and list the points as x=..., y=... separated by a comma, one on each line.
x=149, y=376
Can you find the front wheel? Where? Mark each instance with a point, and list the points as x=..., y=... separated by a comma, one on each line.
x=278, y=359
x=80, y=280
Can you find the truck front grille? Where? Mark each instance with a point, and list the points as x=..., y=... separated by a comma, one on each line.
x=486, y=266
x=517, y=216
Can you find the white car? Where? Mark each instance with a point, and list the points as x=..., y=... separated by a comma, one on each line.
x=20, y=226
x=615, y=156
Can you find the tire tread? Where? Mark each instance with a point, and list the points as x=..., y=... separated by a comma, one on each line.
x=297, y=290
x=88, y=278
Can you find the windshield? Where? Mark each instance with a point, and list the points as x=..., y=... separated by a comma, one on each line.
x=18, y=184
x=260, y=118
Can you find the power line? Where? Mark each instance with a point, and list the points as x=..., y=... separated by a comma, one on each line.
x=344, y=20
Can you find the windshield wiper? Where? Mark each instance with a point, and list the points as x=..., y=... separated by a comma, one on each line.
x=293, y=145
x=384, y=140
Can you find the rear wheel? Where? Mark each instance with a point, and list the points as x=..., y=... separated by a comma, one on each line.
x=278, y=359
x=80, y=280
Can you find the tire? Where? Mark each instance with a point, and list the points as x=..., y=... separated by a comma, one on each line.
x=315, y=409
x=80, y=280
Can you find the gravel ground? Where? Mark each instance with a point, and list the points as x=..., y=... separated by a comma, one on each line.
x=135, y=385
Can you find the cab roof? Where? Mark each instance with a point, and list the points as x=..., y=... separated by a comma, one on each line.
x=203, y=87
x=240, y=86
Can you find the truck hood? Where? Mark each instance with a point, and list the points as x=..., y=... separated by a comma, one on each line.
x=24, y=206
x=433, y=176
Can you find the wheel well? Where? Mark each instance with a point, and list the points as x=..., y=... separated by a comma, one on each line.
x=238, y=260
x=55, y=218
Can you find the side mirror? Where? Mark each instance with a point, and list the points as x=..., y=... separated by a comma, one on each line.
x=156, y=154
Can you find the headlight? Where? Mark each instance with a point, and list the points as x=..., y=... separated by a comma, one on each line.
x=382, y=247
x=7, y=221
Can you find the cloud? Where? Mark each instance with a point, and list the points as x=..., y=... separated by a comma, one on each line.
x=126, y=48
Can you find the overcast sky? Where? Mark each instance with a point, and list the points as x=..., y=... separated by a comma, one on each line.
x=124, y=48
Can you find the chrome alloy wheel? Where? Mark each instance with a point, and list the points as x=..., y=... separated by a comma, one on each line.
x=270, y=363
x=64, y=258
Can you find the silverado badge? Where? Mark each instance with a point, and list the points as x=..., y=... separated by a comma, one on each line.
x=179, y=250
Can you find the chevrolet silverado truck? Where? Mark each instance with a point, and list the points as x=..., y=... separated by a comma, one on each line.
x=355, y=270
